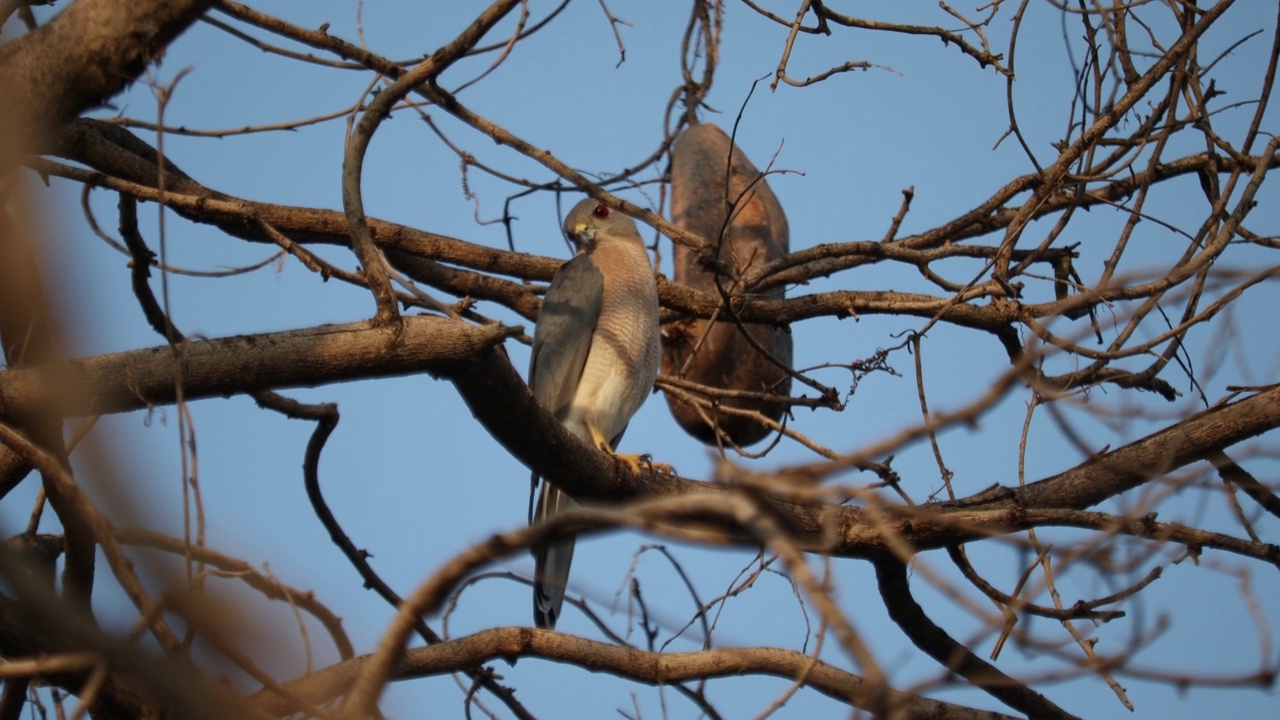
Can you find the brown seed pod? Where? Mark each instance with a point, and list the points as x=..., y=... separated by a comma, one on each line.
x=721, y=356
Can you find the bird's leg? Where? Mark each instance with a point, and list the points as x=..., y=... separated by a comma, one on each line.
x=634, y=463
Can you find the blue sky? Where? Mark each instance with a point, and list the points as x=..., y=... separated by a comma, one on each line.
x=414, y=479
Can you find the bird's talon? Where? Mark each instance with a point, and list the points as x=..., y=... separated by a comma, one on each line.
x=658, y=467
x=662, y=468
x=635, y=463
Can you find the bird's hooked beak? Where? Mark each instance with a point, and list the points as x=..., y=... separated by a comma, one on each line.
x=582, y=235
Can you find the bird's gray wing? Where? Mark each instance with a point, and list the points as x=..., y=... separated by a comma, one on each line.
x=562, y=338
x=561, y=343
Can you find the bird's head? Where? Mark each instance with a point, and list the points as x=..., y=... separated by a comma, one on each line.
x=591, y=223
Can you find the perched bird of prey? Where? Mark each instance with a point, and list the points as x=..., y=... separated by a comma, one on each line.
x=595, y=356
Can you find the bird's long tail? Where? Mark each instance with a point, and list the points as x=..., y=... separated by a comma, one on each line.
x=551, y=560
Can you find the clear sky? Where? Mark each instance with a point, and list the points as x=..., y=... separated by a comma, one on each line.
x=414, y=479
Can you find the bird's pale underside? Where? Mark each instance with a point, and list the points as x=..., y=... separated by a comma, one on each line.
x=595, y=357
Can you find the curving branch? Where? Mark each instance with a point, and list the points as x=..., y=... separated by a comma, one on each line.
x=895, y=590
x=653, y=668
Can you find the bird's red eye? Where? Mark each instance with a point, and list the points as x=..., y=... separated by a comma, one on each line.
x=601, y=212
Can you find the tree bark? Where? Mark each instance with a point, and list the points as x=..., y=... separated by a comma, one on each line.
x=86, y=54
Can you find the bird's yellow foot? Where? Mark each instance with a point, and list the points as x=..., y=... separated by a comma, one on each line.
x=634, y=463
x=637, y=462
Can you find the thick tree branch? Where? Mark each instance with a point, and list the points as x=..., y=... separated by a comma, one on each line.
x=245, y=363
x=500, y=400
x=86, y=54
x=1195, y=438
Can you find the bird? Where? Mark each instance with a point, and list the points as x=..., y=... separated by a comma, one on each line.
x=596, y=351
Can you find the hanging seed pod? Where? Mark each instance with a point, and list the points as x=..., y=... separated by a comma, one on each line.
x=717, y=353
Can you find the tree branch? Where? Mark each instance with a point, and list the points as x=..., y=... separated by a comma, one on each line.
x=497, y=395
x=895, y=590
x=245, y=363
x=652, y=668
x=86, y=54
